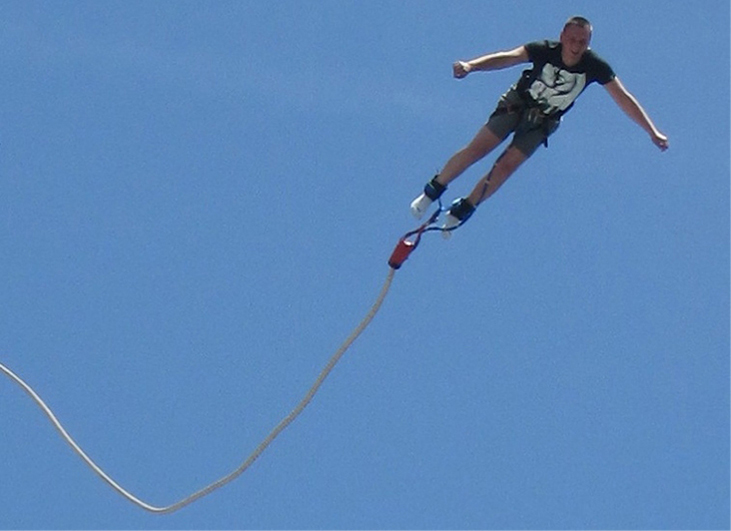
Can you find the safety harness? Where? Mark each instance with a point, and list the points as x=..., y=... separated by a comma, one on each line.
x=531, y=117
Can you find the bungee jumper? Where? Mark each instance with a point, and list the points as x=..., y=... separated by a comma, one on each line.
x=531, y=110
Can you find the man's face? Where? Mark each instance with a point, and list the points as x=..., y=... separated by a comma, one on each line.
x=575, y=41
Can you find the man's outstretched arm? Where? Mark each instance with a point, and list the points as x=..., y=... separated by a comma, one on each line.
x=493, y=61
x=629, y=104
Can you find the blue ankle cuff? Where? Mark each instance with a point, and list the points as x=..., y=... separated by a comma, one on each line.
x=462, y=209
x=434, y=189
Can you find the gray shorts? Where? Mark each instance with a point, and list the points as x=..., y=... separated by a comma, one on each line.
x=510, y=116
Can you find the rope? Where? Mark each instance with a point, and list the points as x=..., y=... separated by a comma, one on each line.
x=249, y=460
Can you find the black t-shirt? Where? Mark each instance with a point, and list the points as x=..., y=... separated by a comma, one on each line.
x=552, y=85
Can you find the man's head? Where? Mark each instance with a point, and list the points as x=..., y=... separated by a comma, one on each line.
x=575, y=39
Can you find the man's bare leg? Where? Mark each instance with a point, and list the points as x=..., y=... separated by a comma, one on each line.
x=482, y=144
x=504, y=167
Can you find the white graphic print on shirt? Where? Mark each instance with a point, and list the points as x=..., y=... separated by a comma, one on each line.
x=556, y=89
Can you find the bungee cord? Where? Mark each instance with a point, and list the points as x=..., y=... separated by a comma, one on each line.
x=406, y=245
x=279, y=428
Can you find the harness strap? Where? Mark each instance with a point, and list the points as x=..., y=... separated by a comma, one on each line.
x=531, y=117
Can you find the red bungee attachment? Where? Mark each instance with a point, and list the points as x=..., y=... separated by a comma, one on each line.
x=401, y=253
x=405, y=246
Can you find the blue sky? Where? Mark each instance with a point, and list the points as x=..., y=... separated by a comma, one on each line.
x=197, y=204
